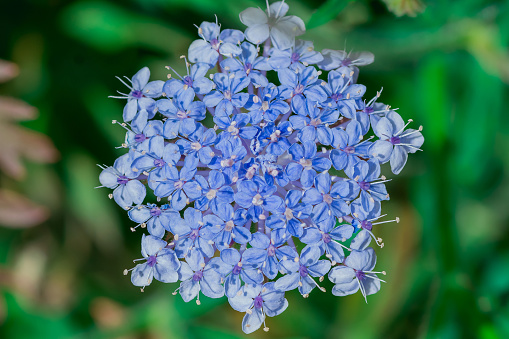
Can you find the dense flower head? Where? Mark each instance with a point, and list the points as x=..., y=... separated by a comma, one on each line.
x=249, y=188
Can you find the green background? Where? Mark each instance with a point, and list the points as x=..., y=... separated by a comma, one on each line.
x=443, y=64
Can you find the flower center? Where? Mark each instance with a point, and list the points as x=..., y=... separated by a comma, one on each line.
x=227, y=95
x=211, y=194
x=299, y=89
x=288, y=214
x=316, y=122
x=295, y=57
x=233, y=130
x=194, y=234
x=258, y=302
x=257, y=200
x=395, y=140
x=248, y=67
x=229, y=226
x=197, y=275
x=140, y=137
x=349, y=149
x=122, y=180
x=188, y=81
x=326, y=238
x=346, y=62
x=360, y=275
x=155, y=212
x=327, y=198
x=364, y=185
x=137, y=94
x=178, y=184
x=305, y=162
x=181, y=115
x=159, y=162
x=195, y=146
x=303, y=271
x=265, y=106
x=227, y=162
x=366, y=225
x=152, y=260
x=336, y=96
x=271, y=250
x=237, y=268
x=275, y=136
x=215, y=44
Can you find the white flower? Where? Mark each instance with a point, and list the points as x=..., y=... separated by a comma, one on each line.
x=272, y=23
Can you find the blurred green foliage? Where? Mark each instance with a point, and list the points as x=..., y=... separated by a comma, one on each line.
x=444, y=64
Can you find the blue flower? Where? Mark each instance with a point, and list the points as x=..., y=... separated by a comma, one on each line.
x=198, y=144
x=119, y=177
x=189, y=234
x=300, y=272
x=159, y=159
x=272, y=23
x=395, y=142
x=273, y=138
x=258, y=301
x=313, y=122
x=181, y=113
x=227, y=95
x=257, y=197
x=232, y=155
x=357, y=273
x=194, y=81
x=141, y=131
x=155, y=218
x=196, y=276
x=141, y=94
x=336, y=59
x=268, y=105
x=161, y=263
x=306, y=163
x=342, y=93
x=302, y=55
x=213, y=43
x=293, y=215
x=248, y=62
x=232, y=267
x=299, y=83
x=209, y=194
x=235, y=126
x=227, y=225
x=348, y=146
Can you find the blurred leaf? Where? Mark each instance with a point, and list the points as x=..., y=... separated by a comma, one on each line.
x=405, y=7
x=16, y=211
x=327, y=12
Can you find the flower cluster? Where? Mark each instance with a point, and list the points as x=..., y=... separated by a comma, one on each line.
x=260, y=176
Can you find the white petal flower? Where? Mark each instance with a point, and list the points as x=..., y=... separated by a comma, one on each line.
x=272, y=23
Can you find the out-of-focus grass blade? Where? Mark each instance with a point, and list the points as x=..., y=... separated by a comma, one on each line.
x=111, y=28
x=327, y=12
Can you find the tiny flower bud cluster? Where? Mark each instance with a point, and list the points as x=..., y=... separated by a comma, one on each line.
x=261, y=173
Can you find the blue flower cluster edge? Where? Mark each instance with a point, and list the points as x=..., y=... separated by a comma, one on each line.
x=284, y=166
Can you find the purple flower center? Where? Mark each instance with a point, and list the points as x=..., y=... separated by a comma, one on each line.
x=194, y=234
x=159, y=162
x=364, y=185
x=122, y=180
x=137, y=94
x=258, y=301
x=188, y=81
x=303, y=271
x=155, y=212
x=326, y=238
x=295, y=57
x=368, y=110
x=140, y=137
x=271, y=250
x=395, y=140
x=152, y=260
x=336, y=96
x=248, y=67
x=237, y=269
x=299, y=89
x=366, y=225
x=349, y=149
x=360, y=275
x=197, y=275
x=347, y=62
x=215, y=44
